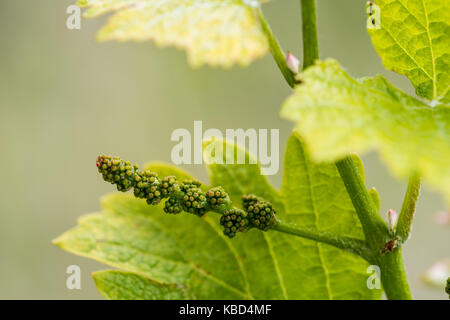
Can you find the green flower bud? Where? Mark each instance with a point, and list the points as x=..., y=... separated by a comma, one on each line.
x=248, y=200
x=217, y=198
x=233, y=221
x=172, y=206
x=191, y=184
x=261, y=214
x=147, y=187
x=194, y=200
x=168, y=185
x=117, y=171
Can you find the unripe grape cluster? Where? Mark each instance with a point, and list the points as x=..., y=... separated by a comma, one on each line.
x=172, y=206
x=218, y=198
x=147, y=187
x=117, y=171
x=194, y=200
x=168, y=185
x=249, y=200
x=261, y=213
x=234, y=220
x=187, y=196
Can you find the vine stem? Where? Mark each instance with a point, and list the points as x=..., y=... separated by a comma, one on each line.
x=276, y=50
x=406, y=216
x=374, y=227
x=393, y=274
x=309, y=33
x=349, y=244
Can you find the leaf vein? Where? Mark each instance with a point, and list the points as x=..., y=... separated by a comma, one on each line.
x=235, y=254
x=431, y=49
x=311, y=192
x=277, y=267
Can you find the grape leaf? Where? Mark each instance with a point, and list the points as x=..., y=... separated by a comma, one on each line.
x=336, y=114
x=120, y=285
x=413, y=39
x=214, y=32
x=316, y=198
x=317, y=271
x=183, y=250
x=184, y=256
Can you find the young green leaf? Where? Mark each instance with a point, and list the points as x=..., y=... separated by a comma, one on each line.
x=181, y=250
x=120, y=285
x=303, y=271
x=413, y=39
x=337, y=114
x=214, y=32
x=315, y=197
x=317, y=271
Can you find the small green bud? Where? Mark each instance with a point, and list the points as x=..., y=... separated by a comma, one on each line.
x=191, y=184
x=248, y=200
x=117, y=171
x=233, y=221
x=217, y=198
x=194, y=200
x=172, y=206
x=168, y=185
x=261, y=214
x=147, y=187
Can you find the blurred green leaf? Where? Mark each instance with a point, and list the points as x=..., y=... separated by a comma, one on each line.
x=413, y=39
x=214, y=32
x=193, y=257
x=336, y=115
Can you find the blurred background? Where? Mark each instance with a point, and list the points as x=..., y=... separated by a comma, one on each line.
x=64, y=99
